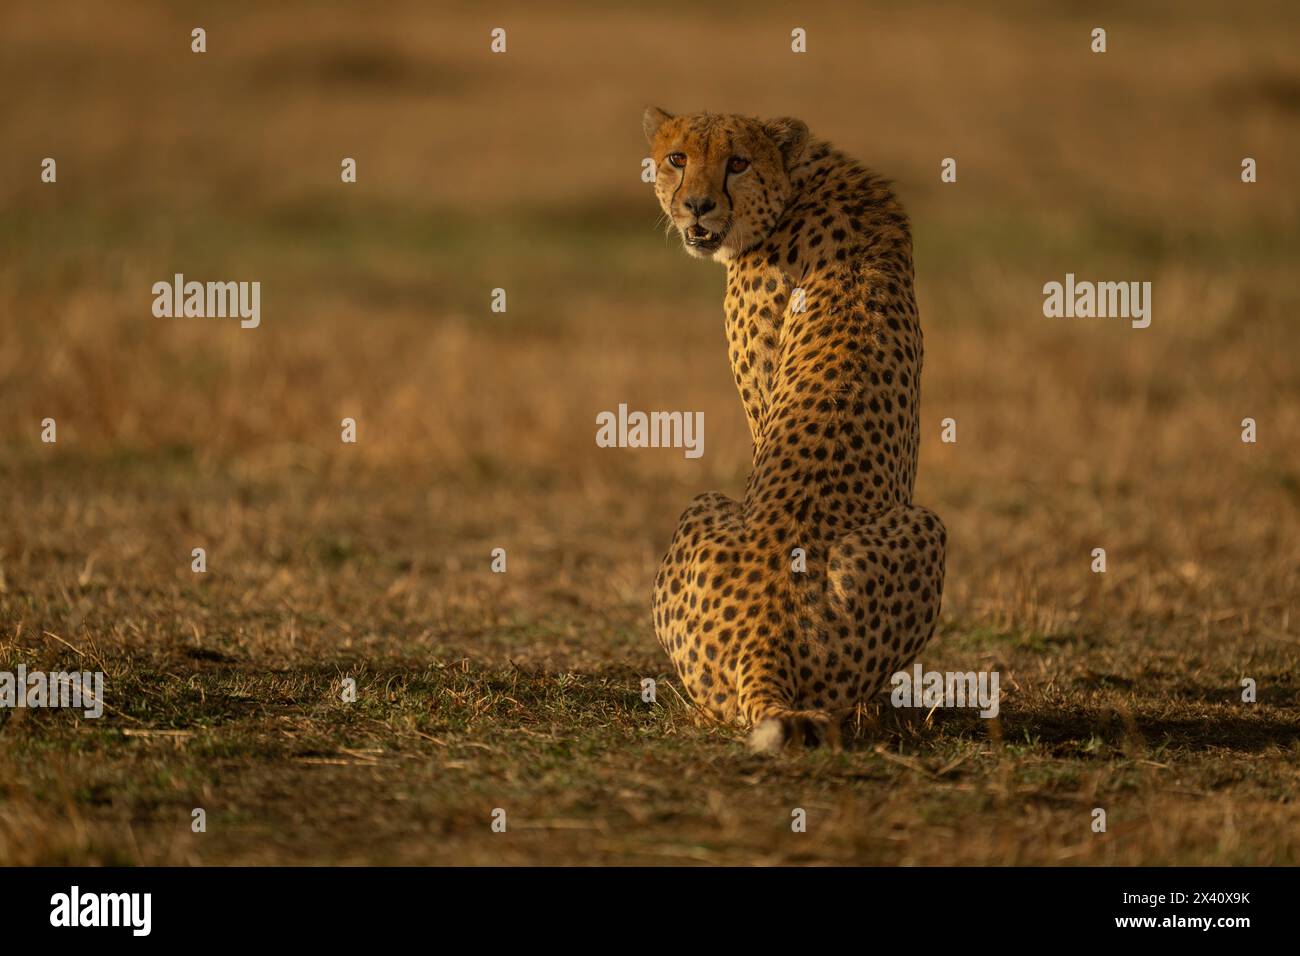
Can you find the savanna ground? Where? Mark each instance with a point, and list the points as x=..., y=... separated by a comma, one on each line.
x=521, y=690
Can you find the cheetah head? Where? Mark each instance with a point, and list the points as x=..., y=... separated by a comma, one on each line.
x=723, y=180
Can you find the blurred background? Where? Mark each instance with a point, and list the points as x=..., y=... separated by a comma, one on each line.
x=476, y=429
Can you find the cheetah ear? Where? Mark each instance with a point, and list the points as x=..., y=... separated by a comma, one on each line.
x=654, y=118
x=790, y=136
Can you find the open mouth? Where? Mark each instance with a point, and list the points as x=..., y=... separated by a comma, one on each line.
x=699, y=237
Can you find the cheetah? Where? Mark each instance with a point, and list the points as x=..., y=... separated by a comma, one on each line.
x=782, y=611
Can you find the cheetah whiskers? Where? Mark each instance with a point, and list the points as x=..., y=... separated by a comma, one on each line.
x=668, y=224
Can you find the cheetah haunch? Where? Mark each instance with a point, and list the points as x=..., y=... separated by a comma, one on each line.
x=785, y=610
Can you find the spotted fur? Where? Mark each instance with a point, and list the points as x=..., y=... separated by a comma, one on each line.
x=831, y=396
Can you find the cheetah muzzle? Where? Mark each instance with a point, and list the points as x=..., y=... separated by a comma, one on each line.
x=785, y=610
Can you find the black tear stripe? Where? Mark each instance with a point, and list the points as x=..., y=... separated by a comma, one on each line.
x=708, y=140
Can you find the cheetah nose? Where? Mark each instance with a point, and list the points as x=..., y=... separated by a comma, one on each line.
x=699, y=205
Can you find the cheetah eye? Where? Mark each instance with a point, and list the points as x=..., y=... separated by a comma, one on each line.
x=737, y=164
x=677, y=159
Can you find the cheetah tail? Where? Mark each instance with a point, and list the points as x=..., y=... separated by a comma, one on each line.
x=781, y=727
x=765, y=695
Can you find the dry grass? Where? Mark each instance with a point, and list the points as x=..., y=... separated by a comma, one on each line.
x=520, y=690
